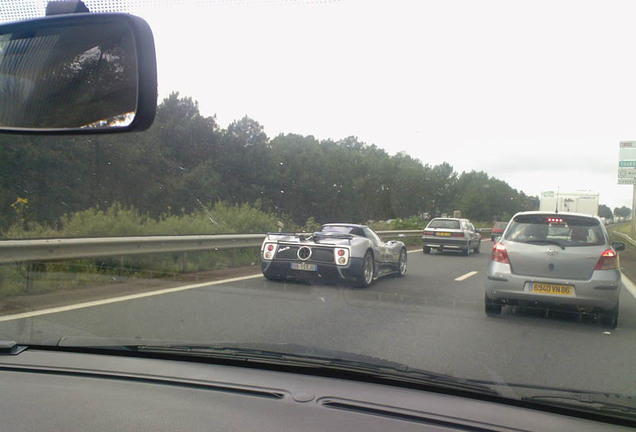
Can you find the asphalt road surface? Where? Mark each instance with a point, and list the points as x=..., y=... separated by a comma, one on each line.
x=433, y=319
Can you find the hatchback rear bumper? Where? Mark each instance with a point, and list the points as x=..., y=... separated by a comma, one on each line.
x=600, y=291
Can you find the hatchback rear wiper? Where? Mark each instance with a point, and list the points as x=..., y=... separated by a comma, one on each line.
x=551, y=242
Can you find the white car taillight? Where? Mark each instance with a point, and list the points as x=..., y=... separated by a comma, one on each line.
x=269, y=251
x=607, y=261
x=500, y=254
x=341, y=255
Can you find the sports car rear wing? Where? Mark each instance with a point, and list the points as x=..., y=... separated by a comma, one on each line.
x=315, y=237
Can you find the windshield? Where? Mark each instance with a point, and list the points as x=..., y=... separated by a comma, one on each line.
x=567, y=230
x=276, y=118
x=337, y=229
x=443, y=223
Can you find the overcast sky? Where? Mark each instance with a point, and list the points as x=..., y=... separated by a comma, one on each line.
x=536, y=93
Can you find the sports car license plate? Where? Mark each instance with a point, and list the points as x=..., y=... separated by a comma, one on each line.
x=445, y=234
x=553, y=289
x=304, y=266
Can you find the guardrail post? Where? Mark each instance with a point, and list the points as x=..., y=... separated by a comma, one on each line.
x=184, y=263
x=29, y=281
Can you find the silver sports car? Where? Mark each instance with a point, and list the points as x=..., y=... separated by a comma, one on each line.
x=348, y=252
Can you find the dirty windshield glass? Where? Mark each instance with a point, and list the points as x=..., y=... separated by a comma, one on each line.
x=276, y=117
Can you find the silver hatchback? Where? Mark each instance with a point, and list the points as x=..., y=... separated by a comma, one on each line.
x=562, y=260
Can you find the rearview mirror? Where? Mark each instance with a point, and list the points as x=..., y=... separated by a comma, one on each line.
x=78, y=73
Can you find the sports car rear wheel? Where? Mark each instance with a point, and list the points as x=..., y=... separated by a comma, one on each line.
x=402, y=263
x=368, y=271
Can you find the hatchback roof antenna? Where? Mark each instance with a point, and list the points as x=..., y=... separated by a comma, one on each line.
x=556, y=208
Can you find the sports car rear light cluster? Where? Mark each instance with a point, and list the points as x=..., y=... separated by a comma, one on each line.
x=269, y=250
x=341, y=255
x=500, y=254
x=608, y=261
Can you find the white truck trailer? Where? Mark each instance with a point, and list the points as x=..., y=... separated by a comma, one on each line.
x=574, y=202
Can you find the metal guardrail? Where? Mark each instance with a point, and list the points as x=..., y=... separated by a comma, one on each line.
x=12, y=251
x=625, y=237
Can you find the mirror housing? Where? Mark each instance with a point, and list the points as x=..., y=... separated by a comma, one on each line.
x=77, y=74
x=496, y=239
x=618, y=246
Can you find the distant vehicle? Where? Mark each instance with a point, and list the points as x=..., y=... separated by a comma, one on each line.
x=585, y=202
x=347, y=252
x=451, y=234
x=562, y=260
x=497, y=230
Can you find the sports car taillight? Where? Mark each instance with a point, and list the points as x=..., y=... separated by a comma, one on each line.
x=607, y=261
x=500, y=254
x=341, y=256
x=269, y=250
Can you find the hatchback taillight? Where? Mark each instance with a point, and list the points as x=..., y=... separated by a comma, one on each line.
x=461, y=234
x=607, y=261
x=499, y=254
x=429, y=232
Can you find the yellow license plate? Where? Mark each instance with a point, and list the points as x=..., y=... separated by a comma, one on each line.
x=554, y=289
x=443, y=234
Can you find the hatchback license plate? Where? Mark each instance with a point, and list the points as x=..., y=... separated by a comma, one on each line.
x=552, y=289
x=304, y=266
x=445, y=234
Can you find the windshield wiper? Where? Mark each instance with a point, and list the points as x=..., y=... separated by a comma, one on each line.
x=551, y=242
x=334, y=361
x=600, y=402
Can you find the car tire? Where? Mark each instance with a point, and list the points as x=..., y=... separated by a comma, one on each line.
x=492, y=307
x=272, y=277
x=476, y=250
x=426, y=250
x=466, y=251
x=401, y=267
x=609, y=319
x=365, y=279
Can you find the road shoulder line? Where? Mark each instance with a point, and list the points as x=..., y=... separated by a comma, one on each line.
x=121, y=298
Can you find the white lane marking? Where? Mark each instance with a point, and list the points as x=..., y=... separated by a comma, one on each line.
x=629, y=285
x=121, y=299
x=466, y=276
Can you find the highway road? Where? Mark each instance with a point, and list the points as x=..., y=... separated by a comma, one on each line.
x=433, y=318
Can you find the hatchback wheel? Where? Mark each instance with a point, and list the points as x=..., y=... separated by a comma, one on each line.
x=426, y=249
x=609, y=319
x=492, y=307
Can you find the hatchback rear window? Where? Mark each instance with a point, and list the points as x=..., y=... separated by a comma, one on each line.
x=444, y=223
x=562, y=229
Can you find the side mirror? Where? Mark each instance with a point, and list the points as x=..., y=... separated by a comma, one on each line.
x=496, y=239
x=401, y=235
x=618, y=246
x=77, y=73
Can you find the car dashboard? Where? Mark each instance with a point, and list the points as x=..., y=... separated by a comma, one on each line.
x=79, y=391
